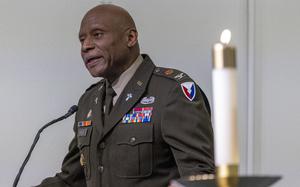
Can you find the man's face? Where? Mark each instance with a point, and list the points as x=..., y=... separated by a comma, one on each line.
x=103, y=45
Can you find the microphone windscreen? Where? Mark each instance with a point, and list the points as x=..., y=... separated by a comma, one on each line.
x=73, y=109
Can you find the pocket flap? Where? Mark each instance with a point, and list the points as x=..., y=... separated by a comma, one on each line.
x=135, y=133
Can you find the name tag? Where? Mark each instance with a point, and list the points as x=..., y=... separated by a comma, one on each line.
x=82, y=132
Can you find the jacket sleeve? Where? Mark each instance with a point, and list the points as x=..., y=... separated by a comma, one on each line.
x=186, y=127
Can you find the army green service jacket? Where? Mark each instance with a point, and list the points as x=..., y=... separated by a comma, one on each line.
x=158, y=130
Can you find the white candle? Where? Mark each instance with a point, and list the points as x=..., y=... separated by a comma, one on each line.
x=225, y=102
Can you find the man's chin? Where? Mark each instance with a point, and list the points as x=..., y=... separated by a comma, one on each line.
x=96, y=73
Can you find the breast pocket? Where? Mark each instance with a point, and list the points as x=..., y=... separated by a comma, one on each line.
x=132, y=153
x=83, y=142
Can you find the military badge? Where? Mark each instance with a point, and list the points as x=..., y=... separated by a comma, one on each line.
x=129, y=96
x=82, y=160
x=89, y=114
x=138, y=115
x=140, y=83
x=148, y=100
x=189, y=90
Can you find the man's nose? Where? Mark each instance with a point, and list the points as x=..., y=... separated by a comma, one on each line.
x=87, y=44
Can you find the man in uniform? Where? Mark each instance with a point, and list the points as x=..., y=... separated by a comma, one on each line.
x=141, y=125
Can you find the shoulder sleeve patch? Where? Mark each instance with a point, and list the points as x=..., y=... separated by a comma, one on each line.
x=189, y=90
x=174, y=74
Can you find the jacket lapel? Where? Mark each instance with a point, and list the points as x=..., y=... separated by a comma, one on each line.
x=97, y=103
x=136, y=86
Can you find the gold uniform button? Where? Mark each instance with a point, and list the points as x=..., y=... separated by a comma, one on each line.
x=132, y=139
x=100, y=169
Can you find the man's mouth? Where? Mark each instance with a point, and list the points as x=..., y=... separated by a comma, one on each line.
x=91, y=61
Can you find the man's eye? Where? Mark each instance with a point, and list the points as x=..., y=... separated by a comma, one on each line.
x=81, y=38
x=98, y=34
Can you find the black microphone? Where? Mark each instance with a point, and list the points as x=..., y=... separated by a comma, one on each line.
x=71, y=111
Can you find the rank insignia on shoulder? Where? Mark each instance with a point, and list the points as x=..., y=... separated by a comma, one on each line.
x=189, y=90
x=174, y=74
x=169, y=72
x=179, y=76
x=84, y=123
x=147, y=100
x=138, y=115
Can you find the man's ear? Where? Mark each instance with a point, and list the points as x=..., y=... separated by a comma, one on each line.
x=132, y=37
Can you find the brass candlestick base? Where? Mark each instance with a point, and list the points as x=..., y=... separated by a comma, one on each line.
x=227, y=181
x=227, y=176
x=227, y=171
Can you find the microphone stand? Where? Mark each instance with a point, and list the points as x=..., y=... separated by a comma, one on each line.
x=71, y=111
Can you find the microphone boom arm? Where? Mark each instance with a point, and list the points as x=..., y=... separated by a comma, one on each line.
x=71, y=111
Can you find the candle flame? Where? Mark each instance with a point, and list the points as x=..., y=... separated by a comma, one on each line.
x=225, y=36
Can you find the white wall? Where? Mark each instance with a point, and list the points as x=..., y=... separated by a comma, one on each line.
x=42, y=73
x=277, y=77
